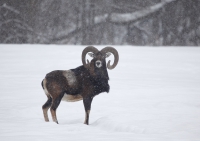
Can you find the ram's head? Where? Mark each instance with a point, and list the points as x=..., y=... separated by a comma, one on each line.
x=99, y=57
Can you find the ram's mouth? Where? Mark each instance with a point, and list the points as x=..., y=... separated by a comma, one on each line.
x=98, y=64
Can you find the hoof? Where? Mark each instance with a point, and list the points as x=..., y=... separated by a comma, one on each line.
x=56, y=122
x=86, y=123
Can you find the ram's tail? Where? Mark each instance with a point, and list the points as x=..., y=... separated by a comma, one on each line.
x=42, y=84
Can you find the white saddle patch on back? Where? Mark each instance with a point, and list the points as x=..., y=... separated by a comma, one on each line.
x=70, y=76
x=72, y=98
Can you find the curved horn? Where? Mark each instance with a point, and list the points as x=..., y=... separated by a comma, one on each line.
x=85, y=51
x=116, y=55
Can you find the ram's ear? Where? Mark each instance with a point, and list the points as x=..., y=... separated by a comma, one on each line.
x=108, y=54
x=91, y=54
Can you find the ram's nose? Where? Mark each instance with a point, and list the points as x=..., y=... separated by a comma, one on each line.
x=98, y=63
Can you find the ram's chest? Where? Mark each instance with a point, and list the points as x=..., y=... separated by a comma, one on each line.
x=101, y=86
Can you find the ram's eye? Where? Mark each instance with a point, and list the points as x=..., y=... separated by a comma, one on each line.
x=108, y=54
x=91, y=55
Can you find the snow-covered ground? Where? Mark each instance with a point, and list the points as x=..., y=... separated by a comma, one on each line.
x=155, y=95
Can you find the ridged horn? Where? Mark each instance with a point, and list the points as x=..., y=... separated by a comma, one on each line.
x=84, y=53
x=116, y=56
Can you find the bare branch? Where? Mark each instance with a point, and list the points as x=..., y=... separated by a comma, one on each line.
x=10, y=8
x=130, y=17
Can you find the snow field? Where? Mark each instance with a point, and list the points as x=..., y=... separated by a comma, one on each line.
x=155, y=95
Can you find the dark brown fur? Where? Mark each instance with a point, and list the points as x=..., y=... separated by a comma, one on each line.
x=88, y=84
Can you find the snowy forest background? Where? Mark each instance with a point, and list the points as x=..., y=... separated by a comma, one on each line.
x=100, y=22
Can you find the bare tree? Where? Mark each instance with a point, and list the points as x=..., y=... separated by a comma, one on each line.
x=136, y=22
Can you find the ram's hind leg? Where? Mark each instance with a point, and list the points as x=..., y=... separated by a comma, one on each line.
x=54, y=106
x=46, y=107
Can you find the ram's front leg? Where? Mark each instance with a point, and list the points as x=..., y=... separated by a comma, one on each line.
x=87, y=104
